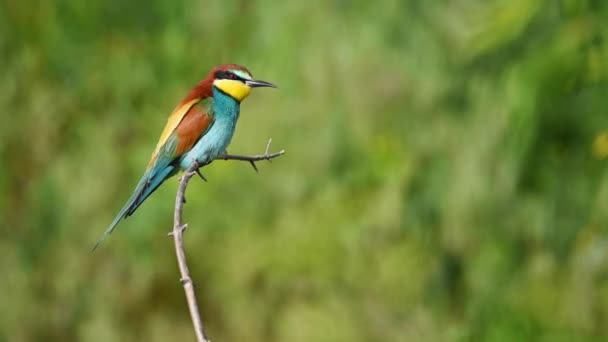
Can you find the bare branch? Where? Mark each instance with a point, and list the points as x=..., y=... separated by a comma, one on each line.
x=177, y=233
x=179, y=227
x=252, y=159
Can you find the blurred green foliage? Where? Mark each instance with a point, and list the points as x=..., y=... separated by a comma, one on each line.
x=444, y=177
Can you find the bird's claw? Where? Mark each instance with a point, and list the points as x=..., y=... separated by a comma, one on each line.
x=198, y=171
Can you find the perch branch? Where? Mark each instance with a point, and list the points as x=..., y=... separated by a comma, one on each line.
x=178, y=230
x=179, y=227
x=252, y=159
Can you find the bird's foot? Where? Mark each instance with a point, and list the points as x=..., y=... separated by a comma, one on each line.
x=198, y=171
x=197, y=165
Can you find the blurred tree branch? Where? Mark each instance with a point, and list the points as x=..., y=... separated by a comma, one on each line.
x=179, y=227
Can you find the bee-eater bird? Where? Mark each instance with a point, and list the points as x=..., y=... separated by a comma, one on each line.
x=198, y=130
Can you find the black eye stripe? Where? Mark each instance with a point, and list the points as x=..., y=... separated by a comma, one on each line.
x=227, y=75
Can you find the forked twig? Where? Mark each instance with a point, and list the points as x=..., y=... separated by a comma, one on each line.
x=252, y=159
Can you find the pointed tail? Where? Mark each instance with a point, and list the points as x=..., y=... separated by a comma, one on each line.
x=146, y=186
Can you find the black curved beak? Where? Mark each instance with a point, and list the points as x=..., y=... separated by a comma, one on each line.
x=258, y=83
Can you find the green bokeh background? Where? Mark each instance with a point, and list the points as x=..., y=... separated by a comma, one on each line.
x=444, y=178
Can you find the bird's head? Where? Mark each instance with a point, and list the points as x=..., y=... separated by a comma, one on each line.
x=235, y=81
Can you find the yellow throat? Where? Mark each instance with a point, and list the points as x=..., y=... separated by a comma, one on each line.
x=236, y=89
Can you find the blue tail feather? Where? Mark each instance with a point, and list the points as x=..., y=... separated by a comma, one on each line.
x=146, y=186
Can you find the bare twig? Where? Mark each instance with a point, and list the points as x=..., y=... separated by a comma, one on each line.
x=252, y=159
x=179, y=227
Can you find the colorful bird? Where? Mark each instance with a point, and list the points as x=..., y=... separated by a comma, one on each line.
x=198, y=130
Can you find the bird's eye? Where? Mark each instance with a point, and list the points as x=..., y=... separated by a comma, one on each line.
x=231, y=76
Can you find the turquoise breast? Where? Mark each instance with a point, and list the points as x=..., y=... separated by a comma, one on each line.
x=225, y=110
